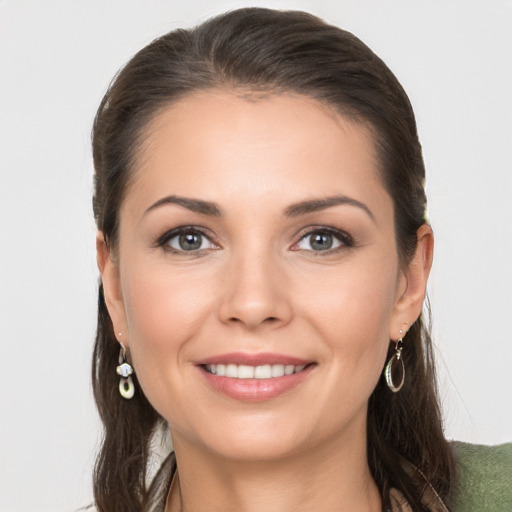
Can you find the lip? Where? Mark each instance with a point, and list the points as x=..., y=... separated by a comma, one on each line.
x=255, y=390
x=256, y=359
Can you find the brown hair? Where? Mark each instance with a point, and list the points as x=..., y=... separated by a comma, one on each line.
x=261, y=50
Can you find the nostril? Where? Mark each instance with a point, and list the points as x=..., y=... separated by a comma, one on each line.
x=268, y=320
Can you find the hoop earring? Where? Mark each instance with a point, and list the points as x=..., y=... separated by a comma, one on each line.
x=388, y=370
x=125, y=370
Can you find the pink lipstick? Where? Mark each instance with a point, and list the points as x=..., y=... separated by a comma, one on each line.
x=255, y=377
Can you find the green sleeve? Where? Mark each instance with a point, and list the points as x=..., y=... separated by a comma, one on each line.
x=485, y=478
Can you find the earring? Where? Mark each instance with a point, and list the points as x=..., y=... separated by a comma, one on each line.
x=125, y=370
x=388, y=371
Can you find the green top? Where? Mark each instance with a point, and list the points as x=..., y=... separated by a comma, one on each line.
x=485, y=474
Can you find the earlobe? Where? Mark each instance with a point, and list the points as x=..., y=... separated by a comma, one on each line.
x=409, y=304
x=110, y=279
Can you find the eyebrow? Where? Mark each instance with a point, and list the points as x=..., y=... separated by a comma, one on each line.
x=195, y=205
x=315, y=205
x=294, y=210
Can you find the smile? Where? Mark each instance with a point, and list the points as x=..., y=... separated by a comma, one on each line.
x=242, y=371
x=255, y=377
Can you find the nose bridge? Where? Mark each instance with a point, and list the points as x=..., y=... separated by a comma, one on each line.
x=255, y=291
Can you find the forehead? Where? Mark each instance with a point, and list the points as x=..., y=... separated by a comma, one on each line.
x=217, y=143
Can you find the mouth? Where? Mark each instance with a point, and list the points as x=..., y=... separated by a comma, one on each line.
x=243, y=371
x=255, y=377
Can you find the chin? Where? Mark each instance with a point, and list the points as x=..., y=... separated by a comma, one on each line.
x=257, y=448
x=257, y=438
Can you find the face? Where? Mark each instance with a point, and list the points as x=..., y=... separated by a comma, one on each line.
x=257, y=282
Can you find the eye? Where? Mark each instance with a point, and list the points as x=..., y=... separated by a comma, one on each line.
x=323, y=240
x=186, y=240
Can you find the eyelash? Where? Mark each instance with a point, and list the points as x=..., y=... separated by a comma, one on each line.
x=164, y=240
x=345, y=240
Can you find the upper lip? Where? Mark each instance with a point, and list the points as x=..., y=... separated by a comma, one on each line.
x=258, y=359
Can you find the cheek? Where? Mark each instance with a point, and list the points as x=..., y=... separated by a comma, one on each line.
x=353, y=315
x=360, y=298
x=163, y=312
x=160, y=302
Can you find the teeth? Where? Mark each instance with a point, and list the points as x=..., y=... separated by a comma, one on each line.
x=245, y=372
x=231, y=370
x=277, y=370
x=263, y=372
x=242, y=371
x=289, y=369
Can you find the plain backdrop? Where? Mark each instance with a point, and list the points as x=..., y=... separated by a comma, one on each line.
x=57, y=57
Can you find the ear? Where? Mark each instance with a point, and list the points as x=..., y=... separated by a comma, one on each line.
x=111, y=281
x=413, y=284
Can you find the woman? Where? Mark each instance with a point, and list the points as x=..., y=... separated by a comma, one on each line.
x=264, y=255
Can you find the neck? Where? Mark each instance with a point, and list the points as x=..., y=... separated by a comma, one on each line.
x=330, y=477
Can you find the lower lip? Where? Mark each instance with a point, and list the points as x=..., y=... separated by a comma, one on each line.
x=256, y=390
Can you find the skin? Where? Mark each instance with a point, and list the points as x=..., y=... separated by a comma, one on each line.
x=256, y=285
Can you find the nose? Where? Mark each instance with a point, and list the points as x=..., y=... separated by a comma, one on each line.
x=255, y=294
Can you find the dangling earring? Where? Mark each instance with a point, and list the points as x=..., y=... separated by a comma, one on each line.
x=388, y=370
x=126, y=387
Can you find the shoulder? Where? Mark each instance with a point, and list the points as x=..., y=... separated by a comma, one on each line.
x=485, y=477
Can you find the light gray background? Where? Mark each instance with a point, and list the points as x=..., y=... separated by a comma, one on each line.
x=57, y=57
